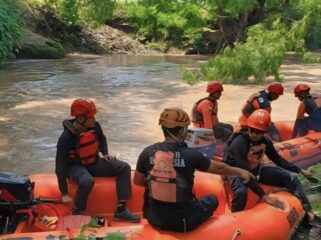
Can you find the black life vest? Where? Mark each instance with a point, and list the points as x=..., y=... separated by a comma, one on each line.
x=263, y=99
x=164, y=183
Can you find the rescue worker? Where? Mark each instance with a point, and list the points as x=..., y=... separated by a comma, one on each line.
x=262, y=100
x=310, y=105
x=78, y=159
x=204, y=112
x=246, y=150
x=171, y=204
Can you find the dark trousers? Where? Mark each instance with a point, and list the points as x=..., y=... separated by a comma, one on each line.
x=83, y=176
x=273, y=176
x=181, y=219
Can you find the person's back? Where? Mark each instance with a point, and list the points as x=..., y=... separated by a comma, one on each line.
x=170, y=203
x=204, y=112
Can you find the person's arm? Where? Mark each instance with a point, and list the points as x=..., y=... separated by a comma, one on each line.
x=139, y=179
x=226, y=170
x=256, y=104
x=103, y=146
x=141, y=169
x=278, y=159
x=299, y=125
x=239, y=150
x=62, y=163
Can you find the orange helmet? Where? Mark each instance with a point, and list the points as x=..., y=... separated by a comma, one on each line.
x=81, y=106
x=259, y=119
x=214, y=87
x=300, y=88
x=275, y=87
x=174, y=117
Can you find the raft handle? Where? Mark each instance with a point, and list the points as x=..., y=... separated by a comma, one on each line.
x=236, y=234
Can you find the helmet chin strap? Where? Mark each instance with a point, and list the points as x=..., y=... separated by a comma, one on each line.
x=173, y=136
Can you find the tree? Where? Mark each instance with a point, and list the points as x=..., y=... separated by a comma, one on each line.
x=10, y=29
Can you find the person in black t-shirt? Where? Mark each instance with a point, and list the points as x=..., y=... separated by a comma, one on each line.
x=246, y=151
x=166, y=170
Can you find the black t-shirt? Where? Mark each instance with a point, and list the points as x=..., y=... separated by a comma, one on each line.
x=186, y=161
x=239, y=148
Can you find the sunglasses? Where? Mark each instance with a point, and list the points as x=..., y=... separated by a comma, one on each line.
x=256, y=131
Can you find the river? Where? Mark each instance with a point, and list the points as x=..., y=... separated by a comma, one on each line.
x=129, y=91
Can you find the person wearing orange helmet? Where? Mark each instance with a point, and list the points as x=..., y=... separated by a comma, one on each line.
x=310, y=105
x=78, y=159
x=166, y=171
x=204, y=112
x=246, y=150
x=261, y=100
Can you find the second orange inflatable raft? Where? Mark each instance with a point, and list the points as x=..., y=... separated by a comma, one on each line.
x=259, y=221
x=303, y=151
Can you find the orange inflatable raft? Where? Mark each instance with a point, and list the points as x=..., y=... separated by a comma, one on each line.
x=303, y=151
x=259, y=221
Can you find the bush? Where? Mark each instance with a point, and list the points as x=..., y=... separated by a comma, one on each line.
x=10, y=29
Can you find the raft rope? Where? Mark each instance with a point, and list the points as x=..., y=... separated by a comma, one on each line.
x=236, y=234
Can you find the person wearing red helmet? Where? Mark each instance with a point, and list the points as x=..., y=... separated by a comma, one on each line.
x=78, y=159
x=166, y=171
x=310, y=105
x=246, y=150
x=262, y=100
x=204, y=112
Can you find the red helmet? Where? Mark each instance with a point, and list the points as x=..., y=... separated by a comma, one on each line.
x=81, y=106
x=259, y=119
x=300, y=88
x=275, y=87
x=214, y=87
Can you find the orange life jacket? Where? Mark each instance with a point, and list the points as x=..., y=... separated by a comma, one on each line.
x=164, y=183
x=87, y=149
x=197, y=116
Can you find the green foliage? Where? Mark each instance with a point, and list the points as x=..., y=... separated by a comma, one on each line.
x=83, y=12
x=10, y=28
x=190, y=75
x=93, y=224
x=261, y=55
x=178, y=22
x=115, y=236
